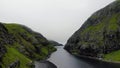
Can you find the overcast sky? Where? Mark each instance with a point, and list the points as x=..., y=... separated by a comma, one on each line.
x=55, y=19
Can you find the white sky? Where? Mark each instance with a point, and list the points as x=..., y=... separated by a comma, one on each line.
x=55, y=19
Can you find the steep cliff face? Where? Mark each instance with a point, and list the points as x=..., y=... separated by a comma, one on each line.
x=99, y=35
x=19, y=45
x=5, y=38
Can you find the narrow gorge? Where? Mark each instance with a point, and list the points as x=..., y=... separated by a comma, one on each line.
x=96, y=44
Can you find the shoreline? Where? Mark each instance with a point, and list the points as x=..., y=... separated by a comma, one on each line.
x=96, y=59
x=44, y=64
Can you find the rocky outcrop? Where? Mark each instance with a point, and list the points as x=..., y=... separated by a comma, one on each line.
x=5, y=38
x=99, y=35
x=21, y=44
x=14, y=64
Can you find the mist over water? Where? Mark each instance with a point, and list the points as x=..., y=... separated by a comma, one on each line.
x=55, y=19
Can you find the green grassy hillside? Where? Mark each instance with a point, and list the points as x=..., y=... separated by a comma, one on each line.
x=25, y=47
x=99, y=36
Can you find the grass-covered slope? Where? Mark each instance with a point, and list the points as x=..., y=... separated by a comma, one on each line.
x=99, y=36
x=20, y=46
x=113, y=56
x=13, y=55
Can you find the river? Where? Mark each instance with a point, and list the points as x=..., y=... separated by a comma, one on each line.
x=62, y=59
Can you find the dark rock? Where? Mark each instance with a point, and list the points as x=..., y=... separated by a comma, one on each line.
x=14, y=64
x=5, y=38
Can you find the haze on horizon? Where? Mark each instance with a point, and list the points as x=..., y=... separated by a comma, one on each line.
x=55, y=19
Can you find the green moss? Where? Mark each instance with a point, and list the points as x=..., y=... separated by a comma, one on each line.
x=94, y=28
x=44, y=50
x=113, y=26
x=16, y=28
x=113, y=56
x=12, y=55
x=96, y=31
x=107, y=24
x=28, y=45
x=47, y=50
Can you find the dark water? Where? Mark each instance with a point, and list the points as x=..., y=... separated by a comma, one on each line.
x=63, y=59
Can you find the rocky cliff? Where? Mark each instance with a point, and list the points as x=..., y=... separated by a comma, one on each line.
x=99, y=35
x=19, y=46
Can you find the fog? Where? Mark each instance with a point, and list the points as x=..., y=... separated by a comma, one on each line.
x=55, y=19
